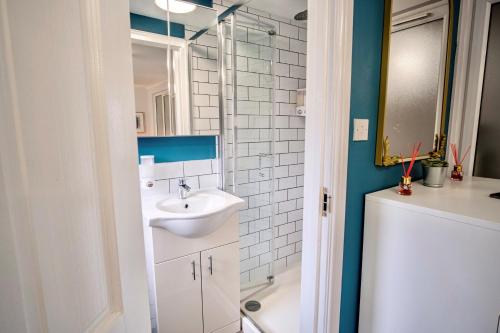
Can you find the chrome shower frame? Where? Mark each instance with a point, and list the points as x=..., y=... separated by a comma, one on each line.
x=221, y=66
x=265, y=27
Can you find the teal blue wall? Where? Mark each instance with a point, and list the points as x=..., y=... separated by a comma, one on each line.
x=172, y=149
x=178, y=148
x=156, y=26
x=363, y=176
x=206, y=3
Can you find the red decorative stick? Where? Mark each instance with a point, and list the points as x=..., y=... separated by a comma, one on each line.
x=413, y=158
x=405, y=184
x=454, y=150
x=455, y=154
x=465, y=155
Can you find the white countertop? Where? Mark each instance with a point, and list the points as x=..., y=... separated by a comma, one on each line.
x=467, y=201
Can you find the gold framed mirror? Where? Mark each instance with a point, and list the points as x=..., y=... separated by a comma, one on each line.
x=415, y=71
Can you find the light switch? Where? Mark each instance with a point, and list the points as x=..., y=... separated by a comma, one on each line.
x=360, y=132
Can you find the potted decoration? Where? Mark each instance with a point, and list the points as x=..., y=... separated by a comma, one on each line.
x=435, y=170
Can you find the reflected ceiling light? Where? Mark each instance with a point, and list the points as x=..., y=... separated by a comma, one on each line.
x=175, y=6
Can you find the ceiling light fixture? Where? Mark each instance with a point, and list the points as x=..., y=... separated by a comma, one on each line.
x=175, y=6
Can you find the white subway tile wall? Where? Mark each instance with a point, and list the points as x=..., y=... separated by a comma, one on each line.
x=254, y=91
x=205, y=82
x=199, y=174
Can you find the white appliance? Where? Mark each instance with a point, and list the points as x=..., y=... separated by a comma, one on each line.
x=431, y=261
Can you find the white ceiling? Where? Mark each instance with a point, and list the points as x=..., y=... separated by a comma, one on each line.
x=149, y=64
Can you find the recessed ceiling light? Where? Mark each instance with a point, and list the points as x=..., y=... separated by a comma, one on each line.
x=175, y=6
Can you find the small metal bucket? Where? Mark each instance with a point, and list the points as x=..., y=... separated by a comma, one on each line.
x=434, y=176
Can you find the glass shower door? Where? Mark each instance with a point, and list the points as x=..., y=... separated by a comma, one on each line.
x=249, y=136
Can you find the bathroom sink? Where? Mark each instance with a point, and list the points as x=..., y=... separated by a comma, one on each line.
x=200, y=214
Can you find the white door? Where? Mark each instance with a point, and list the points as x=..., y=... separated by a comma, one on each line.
x=178, y=295
x=480, y=29
x=71, y=250
x=221, y=288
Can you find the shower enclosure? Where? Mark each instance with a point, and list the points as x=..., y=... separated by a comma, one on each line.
x=247, y=145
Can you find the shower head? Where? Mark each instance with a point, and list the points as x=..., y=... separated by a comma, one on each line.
x=302, y=16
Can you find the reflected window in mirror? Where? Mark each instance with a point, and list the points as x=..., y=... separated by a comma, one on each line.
x=415, y=66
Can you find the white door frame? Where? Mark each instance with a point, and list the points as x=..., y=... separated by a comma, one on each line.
x=329, y=50
x=468, y=77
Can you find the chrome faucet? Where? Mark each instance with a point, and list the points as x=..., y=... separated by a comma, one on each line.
x=183, y=188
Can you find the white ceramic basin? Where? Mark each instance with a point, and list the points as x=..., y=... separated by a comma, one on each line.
x=200, y=214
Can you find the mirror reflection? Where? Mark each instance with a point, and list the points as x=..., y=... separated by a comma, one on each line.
x=414, y=69
x=174, y=55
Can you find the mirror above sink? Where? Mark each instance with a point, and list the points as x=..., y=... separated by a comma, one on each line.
x=174, y=55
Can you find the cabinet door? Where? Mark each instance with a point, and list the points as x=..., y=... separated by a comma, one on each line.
x=221, y=286
x=178, y=295
x=427, y=273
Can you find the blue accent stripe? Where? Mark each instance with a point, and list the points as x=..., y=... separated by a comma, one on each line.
x=206, y=3
x=178, y=148
x=153, y=25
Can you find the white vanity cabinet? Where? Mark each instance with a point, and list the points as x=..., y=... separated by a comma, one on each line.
x=178, y=281
x=431, y=261
x=193, y=261
x=197, y=280
x=220, y=270
x=199, y=292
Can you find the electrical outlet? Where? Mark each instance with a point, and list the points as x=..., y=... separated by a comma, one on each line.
x=360, y=132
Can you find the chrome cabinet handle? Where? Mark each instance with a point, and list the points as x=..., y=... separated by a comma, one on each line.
x=498, y=323
x=210, y=267
x=193, y=264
